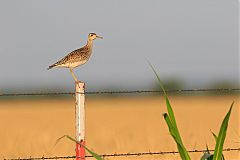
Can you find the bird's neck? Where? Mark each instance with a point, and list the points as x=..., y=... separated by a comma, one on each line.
x=89, y=43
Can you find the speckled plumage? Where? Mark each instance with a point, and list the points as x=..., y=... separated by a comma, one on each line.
x=77, y=57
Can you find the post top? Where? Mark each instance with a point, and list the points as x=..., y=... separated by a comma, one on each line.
x=80, y=84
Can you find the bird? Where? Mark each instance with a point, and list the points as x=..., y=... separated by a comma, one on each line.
x=77, y=57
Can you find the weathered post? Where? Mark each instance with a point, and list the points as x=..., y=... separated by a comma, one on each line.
x=80, y=120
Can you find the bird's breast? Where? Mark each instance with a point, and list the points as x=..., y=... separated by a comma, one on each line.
x=75, y=64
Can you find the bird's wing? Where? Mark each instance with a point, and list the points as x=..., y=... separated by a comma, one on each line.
x=76, y=55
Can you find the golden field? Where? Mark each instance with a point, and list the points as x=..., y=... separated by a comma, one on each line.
x=30, y=127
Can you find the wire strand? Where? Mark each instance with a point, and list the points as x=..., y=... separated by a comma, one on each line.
x=120, y=92
x=124, y=154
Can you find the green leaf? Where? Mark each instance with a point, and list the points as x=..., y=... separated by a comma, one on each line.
x=95, y=155
x=171, y=121
x=215, y=137
x=182, y=150
x=158, y=78
x=172, y=117
x=171, y=128
x=169, y=108
x=221, y=136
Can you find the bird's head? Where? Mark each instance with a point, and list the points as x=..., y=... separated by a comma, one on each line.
x=93, y=36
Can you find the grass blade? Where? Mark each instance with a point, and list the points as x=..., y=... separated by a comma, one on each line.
x=215, y=137
x=171, y=128
x=95, y=155
x=169, y=108
x=171, y=121
x=221, y=136
x=182, y=151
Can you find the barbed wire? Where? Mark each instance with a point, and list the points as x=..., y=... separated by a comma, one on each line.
x=121, y=92
x=124, y=154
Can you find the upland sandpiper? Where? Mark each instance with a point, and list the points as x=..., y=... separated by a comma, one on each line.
x=77, y=57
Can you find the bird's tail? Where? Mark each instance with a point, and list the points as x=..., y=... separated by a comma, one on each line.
x=50, y=67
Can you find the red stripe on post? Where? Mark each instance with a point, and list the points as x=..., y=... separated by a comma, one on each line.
x=80, y=151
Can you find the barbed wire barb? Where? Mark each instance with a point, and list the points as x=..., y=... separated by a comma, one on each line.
x=125, y=154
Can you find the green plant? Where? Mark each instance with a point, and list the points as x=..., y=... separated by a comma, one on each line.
x=171, y=122
x=215, y=137
x=95, y=155
x=221, y=136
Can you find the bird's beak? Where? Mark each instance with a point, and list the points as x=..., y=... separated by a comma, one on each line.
x=99, y=37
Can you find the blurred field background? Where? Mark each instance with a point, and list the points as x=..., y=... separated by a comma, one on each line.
x=30, y=127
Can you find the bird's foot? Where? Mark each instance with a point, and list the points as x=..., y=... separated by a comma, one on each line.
x=78, y=81
x=80, y=84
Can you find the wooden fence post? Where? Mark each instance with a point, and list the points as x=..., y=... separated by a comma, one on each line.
x=80, y=120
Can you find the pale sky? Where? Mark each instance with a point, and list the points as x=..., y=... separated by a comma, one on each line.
x=193, y=40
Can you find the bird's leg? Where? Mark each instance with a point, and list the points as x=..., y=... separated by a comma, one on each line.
x=75, y=78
